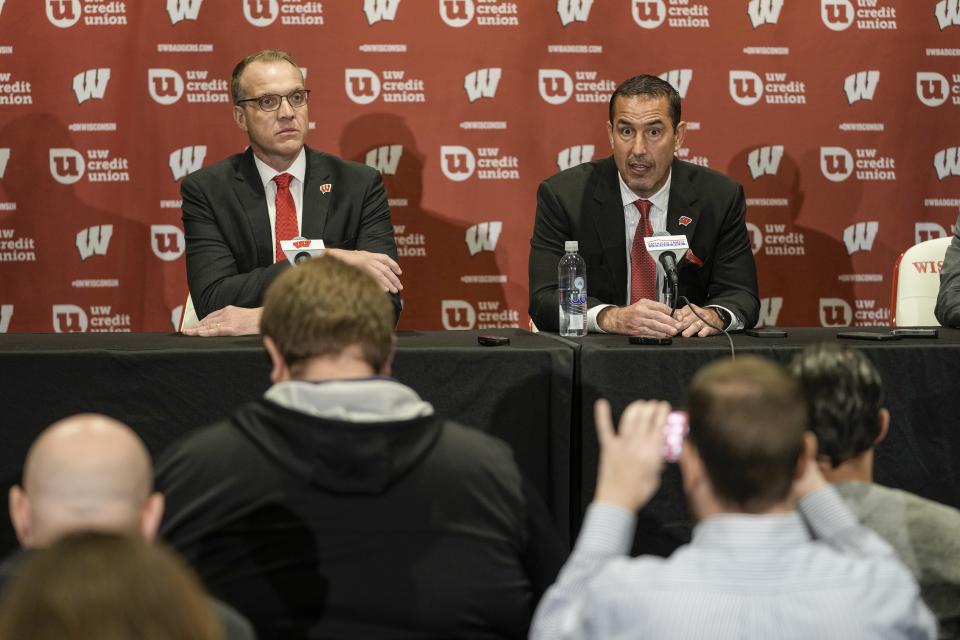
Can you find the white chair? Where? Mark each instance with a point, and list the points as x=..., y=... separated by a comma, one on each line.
x=916, y=281
x=189, y=317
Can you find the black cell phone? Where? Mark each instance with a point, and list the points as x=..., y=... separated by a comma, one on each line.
x=766, y=333
x=866, y=335
x=493, y=341
x=649, y=340
x=914, y=333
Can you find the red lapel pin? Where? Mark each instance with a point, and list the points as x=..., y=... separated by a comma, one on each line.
x=685, y=220
x=326, y=187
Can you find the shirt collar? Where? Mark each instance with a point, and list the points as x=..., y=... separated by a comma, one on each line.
x=660, y=199
x=738, y=531
x=298, y=169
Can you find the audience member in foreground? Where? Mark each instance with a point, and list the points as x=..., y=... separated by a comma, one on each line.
x=340, y=505
x=106, y=586
x=776, y=552
x=845, y=396
x=91, y=473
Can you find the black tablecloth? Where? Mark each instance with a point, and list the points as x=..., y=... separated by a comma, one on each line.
x=922, y=391
x=164, y=385
x=537, y=394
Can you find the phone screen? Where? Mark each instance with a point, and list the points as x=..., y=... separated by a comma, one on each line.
x=674, y=431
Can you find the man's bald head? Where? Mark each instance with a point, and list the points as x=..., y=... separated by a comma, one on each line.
x=86, y=472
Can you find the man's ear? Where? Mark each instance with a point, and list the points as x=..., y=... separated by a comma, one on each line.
x=884, y=418
x=610, y=133
x=239, y=117
x=387, y=367
x=280, y=371
x=680, y=135
x=691, y=468
x=20, y=515
x=151, y=515
x=808, y=455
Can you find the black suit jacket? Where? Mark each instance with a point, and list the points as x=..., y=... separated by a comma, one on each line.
x=948, y=298
x=583, y=203
x=230, y=255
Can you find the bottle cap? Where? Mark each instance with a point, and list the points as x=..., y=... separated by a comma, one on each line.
x=571, y=246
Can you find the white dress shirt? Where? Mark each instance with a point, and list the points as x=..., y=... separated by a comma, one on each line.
x=299, y=171
x=658, y=221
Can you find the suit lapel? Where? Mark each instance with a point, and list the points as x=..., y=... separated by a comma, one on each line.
x=249, y=190
x=605, y=210
x=316, y=203
x=683, y=197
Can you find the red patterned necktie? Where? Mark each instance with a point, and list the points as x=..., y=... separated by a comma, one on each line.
x=286, y=222
x=643, y=270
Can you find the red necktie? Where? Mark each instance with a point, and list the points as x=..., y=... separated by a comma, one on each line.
x=286, y=222
x=643, y=270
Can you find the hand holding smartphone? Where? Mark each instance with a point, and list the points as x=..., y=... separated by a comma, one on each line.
x=674, y=432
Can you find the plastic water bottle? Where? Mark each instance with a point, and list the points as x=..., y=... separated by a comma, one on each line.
x=572, y=280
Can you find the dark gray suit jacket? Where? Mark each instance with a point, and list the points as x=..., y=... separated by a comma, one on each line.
x=583, y=203
x=948, y=298
x=230, y=255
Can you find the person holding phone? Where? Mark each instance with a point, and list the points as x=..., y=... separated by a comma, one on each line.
x=776, y=552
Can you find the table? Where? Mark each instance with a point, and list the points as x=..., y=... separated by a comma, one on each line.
x=164, y=385
x=922, y=391
x=537, y=394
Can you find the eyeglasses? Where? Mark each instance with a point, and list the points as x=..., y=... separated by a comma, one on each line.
x=272, y=102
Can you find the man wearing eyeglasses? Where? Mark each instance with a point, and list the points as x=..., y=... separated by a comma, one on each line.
x=236, y=212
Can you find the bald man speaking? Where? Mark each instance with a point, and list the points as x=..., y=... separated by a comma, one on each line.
x=90, y=472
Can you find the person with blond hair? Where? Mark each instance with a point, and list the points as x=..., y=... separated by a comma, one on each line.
x=107, y=586
x=340, y=504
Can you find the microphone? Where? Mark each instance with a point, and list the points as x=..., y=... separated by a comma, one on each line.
x=664, y=249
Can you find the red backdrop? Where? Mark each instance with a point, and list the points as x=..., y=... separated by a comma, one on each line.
x=839, y=117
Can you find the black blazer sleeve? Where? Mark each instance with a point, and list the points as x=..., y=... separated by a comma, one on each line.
x=222, y=265
x=948, y=298
x=733, y=276
x=551, y=228
x=366, y=224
